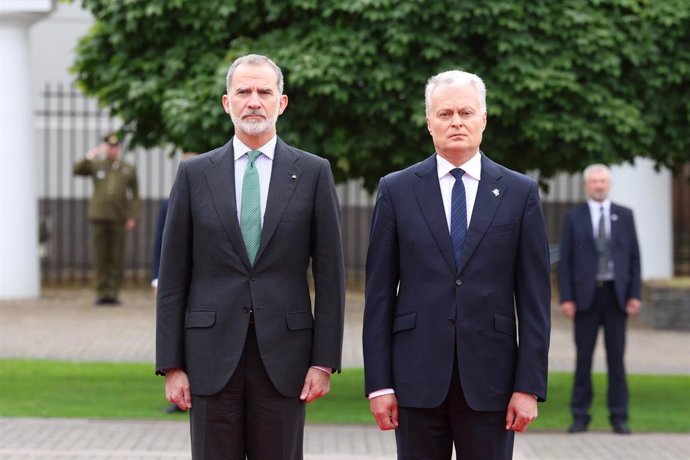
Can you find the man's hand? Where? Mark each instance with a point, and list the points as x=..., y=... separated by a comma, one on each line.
x=177, y=388
x=131, y=224
x=633, y=306
x=317, y=383
x=522, y=409
x=96, y=151
x=385, y=411
x=568, y=308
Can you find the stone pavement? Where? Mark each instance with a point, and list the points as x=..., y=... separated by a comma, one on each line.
x=64, y=324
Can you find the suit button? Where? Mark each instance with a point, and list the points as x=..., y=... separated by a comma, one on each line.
x=458, y=282
x=252, y=279
x=451, y=321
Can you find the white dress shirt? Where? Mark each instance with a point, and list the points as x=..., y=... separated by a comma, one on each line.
x=264, y=166
x=471, y=178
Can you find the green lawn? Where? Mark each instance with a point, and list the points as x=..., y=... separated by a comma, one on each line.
x=658, y=403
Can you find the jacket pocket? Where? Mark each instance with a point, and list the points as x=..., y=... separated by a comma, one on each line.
x=200, y=318
x=404, y=322
x=503, y=228
x=504, y=324
x=299, y=320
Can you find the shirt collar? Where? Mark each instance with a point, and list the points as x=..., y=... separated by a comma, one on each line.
x=595, y=206
x=268, y=149
x=472, y=167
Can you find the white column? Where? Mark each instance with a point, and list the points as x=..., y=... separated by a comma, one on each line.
x=648, y=193
x=19, y=263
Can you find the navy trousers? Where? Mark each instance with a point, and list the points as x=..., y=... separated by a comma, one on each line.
x=603, y=312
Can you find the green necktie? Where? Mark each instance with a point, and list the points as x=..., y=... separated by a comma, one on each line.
x=250, y=215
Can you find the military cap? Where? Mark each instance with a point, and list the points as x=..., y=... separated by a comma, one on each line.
x=111, y=139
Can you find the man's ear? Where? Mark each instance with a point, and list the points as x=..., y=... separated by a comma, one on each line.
x=282, y=103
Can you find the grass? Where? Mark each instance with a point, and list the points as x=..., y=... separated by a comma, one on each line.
x=36, y=388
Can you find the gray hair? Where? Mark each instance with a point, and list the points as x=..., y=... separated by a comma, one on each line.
x=594, y=168
x=455, y=78
x=254, y=59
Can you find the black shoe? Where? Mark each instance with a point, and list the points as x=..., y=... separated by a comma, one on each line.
x=620, y=428
x=106, y=301
x=173, y=408
x=577, y=427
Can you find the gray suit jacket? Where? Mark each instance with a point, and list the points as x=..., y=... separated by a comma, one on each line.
x=206, y=284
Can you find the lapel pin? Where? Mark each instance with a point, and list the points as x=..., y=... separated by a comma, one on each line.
x=496, y=192
x=614, y=217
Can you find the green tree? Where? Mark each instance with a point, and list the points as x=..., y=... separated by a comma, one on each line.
x=569, y=82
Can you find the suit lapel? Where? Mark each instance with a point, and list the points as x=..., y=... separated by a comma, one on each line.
x=586, y=218
x=284, y=179
x=428, y=193
x=220, y=178
x=490, y=193
x=615, y=228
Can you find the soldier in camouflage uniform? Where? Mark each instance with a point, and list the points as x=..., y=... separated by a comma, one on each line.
x=113, y=208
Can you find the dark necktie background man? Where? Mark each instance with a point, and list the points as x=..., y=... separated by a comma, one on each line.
x=457, y=268
x=236, y=336
x=599, y=282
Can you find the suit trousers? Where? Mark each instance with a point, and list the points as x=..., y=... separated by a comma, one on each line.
x=429, y=434
x=108, y=239
x=249, y=418
x=603, y=312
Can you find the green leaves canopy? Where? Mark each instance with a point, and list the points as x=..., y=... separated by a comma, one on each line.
x=569, y=82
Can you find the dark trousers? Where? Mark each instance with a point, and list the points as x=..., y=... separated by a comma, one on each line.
x=429, y=434
x=108, y=238
x=248, y=418
x=603, y=312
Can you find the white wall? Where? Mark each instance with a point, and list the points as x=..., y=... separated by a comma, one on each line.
x=648, y=193
x=52, y=43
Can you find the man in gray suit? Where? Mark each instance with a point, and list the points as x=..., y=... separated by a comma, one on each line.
x=236, y=337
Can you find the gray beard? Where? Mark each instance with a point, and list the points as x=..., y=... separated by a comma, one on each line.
x=254, y=128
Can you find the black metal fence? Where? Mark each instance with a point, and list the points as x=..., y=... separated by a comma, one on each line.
x=68, y=125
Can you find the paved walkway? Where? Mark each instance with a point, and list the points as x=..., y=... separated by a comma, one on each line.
x=64, y=324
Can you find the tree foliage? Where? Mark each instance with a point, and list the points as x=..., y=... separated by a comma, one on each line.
x=569, y=82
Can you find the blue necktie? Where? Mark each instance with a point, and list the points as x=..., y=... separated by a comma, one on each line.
x=250, y=214
x=458, y=216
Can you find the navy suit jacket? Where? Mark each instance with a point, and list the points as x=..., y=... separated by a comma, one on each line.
x=421, y=312
x=577, y=268
x=207, y=285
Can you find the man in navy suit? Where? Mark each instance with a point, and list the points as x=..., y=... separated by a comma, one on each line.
x=457, y=271
x=599, y=282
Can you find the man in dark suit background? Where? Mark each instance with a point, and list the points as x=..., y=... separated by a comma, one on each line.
x=599, y=282
x=236, y=336
x=457, y=269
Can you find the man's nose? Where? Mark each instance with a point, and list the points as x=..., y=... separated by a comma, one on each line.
x=254, y=100
x=456, y=119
